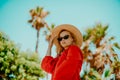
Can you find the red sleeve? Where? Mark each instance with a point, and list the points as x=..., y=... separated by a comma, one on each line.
x=48, y=63
x=68, y=68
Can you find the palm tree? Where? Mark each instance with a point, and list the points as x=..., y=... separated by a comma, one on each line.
x=38, y=21
x=101, y=53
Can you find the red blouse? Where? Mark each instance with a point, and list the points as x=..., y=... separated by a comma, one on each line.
x=65, y=67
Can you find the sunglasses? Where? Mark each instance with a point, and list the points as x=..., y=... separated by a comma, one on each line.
x=64, y=37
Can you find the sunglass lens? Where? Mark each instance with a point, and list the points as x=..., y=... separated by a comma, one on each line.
x=59, y=39
x=66, y=37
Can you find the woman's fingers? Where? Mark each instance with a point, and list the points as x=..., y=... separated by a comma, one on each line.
x=53, y=37
x=51, y=40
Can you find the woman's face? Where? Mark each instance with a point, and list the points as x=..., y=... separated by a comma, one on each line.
x=65, y=39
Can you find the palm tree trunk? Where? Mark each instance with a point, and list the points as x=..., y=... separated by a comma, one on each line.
x=37, y=42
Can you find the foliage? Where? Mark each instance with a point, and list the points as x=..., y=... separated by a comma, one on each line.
x=38, y=21
x=38, y=14
x=17, y=65
x=99, y=51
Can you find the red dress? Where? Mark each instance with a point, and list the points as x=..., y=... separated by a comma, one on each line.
x=67, y=66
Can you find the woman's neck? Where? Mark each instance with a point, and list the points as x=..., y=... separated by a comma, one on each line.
x=66, y=47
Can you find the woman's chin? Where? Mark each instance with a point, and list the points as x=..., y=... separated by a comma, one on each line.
x=65, y=46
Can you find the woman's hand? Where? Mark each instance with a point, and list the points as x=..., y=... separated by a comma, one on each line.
x=51, y=42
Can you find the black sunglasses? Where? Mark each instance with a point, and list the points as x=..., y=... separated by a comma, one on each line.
x=64, y=37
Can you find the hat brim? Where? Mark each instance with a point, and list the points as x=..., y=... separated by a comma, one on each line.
x=72, y=29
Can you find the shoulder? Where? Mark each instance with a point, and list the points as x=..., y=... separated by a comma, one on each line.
x=74, y=47
x=75, y=52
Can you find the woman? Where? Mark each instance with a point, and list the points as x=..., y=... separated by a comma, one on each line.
x=67, y=65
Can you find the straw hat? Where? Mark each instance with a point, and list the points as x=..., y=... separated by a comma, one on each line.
x=72, y=29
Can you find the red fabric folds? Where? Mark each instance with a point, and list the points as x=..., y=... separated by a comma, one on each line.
x=65, y=67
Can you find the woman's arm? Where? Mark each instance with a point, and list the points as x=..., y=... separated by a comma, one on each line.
x=48, y=62
x=49, y=47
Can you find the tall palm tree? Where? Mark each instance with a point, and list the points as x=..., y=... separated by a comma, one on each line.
x=38, y=15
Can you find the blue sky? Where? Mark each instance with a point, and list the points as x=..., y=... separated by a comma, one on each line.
x=14, y=15
x=81, y=13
